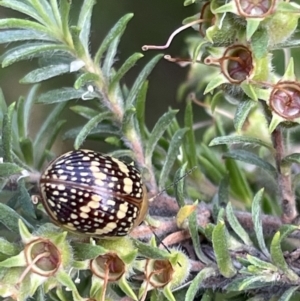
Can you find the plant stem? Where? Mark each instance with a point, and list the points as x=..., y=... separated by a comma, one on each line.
x=287, y=197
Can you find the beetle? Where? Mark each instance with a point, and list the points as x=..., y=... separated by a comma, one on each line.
x=88, y=192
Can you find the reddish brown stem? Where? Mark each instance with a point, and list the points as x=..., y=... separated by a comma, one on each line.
x=287, y=197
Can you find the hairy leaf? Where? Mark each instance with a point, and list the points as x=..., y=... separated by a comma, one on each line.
x=151, y=252
x=140, y=110
x=236, y=226
x=287, y=295
x=9, y=169
x=44, y=73
x=157, y=132
x=220, y=244
x=29, y=51
x=61, y=95
x=84, y=251
x=109, y=59
x=257, y=222
x=84, y=79
x=84, y=23
x=237, y=139
x=9, y=218
x=172, y=154
x=7, y=134
x=18, y=35
x=129, y=63
x=193, y=228
x=48, y=125
x=196, y=283
x=116, y=31
x=22, y=7
x=140, y=80
x=86, y=129
x=179, y=184
x=277, y=254
x=242, y=112
x=251, y=158
x=190, y=144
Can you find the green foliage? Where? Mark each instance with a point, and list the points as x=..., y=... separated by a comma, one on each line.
x=242, y=166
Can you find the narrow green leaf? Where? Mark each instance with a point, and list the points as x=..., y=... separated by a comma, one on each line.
x=109, y=60
x=29, y=101
x=43, y=8
x=116, y=31
x=237, y=139
x=179, y=184
x=24, y=200
x=22, y=7
x=292, y=158
x=85, y=78
x=48, y=125
x=261, y=264
x=86, y=129
x=84, y=111
x=3, y=107
x=29, y=51
x=84, y=22
x=210, y=170
x=190, y=144
x=140, y=80
x=18, y=35
x=84, y=251
x=61, y=95
x=220, y=245
x=64, y=8
x=8, y=248
x=257, y=222
x=223, y=192
x=239, y=183
x=193, y=229
x=51, y=139
x=9, y=218
x=241, y=114
x=128, y=120
x=140, y=109
x=44, y=73
x=157, y=132
x=56, y=12
x=236, y=226
x=255, y=282
x=172, y=154
x=287, y=295
x=196, y=282
x=9, y=169
x=251, y=158
x=251, y=27
x=150, y=252
x=77, y=44
x=259, y=42
x=27, y=150
x=129, y=63
x=7, y=134
x=20, y=117
x=11, y=23
x=100, y=131
x=206, y=152
x=277, y=254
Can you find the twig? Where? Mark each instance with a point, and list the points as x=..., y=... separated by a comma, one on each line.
x=287, y=197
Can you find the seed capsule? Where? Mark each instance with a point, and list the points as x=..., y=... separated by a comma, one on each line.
x=87, y=192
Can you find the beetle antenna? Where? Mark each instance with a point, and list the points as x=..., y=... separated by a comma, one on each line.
x=173, y=184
